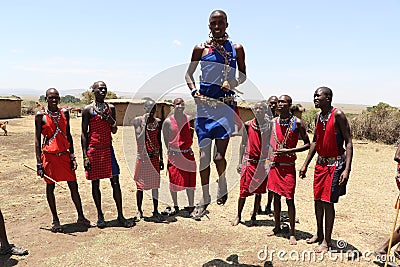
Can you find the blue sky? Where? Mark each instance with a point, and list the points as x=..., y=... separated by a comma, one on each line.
x=292, y=47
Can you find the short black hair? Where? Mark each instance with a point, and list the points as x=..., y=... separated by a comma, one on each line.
x=327, y=91
x=221, y=12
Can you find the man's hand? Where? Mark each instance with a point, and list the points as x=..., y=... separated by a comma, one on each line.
x=398, y=176
x=40, y=172
x=161, y=164
x=344, y=177
x=74, y=165
x=226, y=87
x=302, y=172
x=86, y=164
x=281, y=151
x=239, y=168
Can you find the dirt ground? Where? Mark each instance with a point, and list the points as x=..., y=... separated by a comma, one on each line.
x=364, y=217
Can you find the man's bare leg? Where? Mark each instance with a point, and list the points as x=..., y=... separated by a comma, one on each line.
x=139, y=202
x=97, y=201
x=319, y=215
x=56, y=227
x=156, y=214
x=238, y=217
x=268, y=210
x=3, y=234
x=257, y=202
x=190, y=196
x=329, y=221
x=76, y=198
x=292, y=221
x=6, y=247
x=221, y=145
x=385, y=246
x=277, y=215
x=205, y=160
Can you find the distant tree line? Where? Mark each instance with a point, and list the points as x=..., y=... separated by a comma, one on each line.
x=87, y=97
x=380, y=123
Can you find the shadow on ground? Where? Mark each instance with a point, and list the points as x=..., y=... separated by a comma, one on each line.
x=232, y=260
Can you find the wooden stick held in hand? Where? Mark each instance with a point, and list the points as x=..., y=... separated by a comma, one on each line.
x=46, y=176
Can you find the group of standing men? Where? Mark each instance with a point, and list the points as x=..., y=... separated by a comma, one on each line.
x=219, y=59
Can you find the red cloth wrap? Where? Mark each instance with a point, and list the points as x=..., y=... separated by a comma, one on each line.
x=181, y=165
x=56, y=167
x=147, y=169
x=253, y=176
x=282, y=178
x=326, y=187
x=99, y=152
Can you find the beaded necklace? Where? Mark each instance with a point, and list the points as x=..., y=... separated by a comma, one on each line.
x=214, y=44
x=324, y=118
x=99, y=107
x=152, y=126
x=55, y=117
x=259, y=127
x=287, y=122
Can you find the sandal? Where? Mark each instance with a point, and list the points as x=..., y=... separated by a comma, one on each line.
x=14, y=250
x=167, y=211
x=56, y=227
x=138, y=217
x=222, y=200
x=200, y=212
x=124, y=222
x=101, y=223
x=85, y=222
x=158, y=217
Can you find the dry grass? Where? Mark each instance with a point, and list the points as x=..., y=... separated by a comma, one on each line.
x=364, y=216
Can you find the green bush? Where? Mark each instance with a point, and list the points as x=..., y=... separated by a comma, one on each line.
x=378, y=123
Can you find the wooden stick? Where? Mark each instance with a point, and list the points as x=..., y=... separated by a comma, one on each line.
x=45, y=175
x=393, y=230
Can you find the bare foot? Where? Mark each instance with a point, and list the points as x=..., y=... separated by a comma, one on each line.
x=313, y=239
x=274, y=232
x=321, y=248
x=292, y=240
x=236, y=221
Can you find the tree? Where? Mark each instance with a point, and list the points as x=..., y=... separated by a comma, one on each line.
x=70, y=99
x=88, y=96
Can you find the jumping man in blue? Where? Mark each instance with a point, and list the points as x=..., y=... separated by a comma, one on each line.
x=219, y=59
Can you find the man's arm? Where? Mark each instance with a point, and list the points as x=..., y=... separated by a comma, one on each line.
x=303, y=134
x=242, y=148
x=397, y=155
x=86, y=113
x=311, y=153
x=70, y=140
x=240, y=60
x=160, y=143
x=344, y=127
x=38, y=142
x=194, y=61
x=113, y=119
x=166, y=128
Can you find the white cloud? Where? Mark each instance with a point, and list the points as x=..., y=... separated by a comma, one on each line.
x=177, y=42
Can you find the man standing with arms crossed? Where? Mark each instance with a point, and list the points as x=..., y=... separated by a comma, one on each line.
x=333, y=166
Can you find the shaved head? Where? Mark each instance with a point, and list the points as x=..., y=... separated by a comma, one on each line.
x=52, y=90
x=327, y=91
